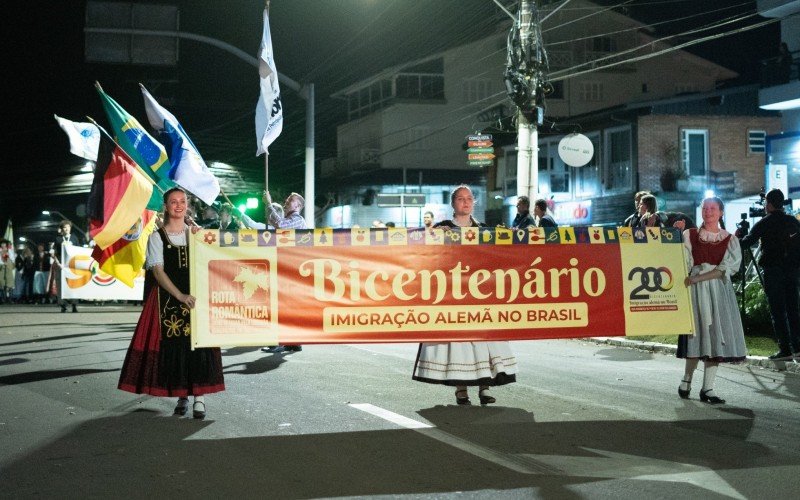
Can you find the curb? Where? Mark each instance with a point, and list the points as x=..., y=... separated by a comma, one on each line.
x=759, y=361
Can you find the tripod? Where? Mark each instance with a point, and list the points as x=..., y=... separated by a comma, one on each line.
x=749, y=272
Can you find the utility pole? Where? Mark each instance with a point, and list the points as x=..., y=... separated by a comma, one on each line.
x=524, y=77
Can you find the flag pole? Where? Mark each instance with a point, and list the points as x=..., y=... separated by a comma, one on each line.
x=225, y=196
x=266, y=153
x=138, y=168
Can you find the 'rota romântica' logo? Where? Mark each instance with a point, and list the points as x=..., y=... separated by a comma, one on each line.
x=239, y=295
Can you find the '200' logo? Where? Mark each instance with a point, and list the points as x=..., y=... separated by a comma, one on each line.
x=651, y=279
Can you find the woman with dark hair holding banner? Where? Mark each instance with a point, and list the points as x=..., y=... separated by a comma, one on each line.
x=463, y=364
x=713, y=255
x=160, y=361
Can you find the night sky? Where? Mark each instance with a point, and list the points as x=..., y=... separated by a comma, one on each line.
x=332, y=43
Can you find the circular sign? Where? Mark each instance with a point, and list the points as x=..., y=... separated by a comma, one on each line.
x=576, y=150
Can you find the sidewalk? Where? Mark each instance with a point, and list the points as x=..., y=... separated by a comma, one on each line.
x=760, y=361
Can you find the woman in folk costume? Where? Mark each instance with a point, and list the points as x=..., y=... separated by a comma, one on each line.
x=160, y=361
x=713, y=256
x=463, y=364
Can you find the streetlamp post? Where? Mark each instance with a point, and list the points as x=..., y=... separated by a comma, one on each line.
x=63, y=217
x=306, y=92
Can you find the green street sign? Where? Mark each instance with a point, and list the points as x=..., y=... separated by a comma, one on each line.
x=480, y=150
x=480, y=163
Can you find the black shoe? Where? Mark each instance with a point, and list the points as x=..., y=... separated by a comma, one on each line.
x=462, y=400
x=74, y=308
x=274, y=349
x=63, y=309
x=781, y=356
x=712, y=400
x=685, y=394
x=182, y=407
x=293, y=348
x=485, y=399
x=199, y=410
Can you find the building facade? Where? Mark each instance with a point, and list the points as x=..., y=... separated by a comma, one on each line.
x=407, y=125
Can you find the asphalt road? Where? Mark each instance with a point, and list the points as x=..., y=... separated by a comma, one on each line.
x=583, y=421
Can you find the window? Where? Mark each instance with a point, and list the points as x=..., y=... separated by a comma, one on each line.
x=756, y=141
x=366, y=100
x=603, y=44
x=587, y=177
x=694, y=150
x=619, y=170
x=554, y=174
x=591, y=92
x=420, y=86
x=686, y=88
x=509, y=180
x=476, y=90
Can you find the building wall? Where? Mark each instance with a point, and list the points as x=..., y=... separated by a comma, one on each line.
x=431, y=133
x=727, y=146
x=570, y=51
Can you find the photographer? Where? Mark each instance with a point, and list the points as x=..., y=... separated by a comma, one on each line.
x=776, y=232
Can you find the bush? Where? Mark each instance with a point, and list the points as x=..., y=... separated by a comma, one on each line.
x=755, y=316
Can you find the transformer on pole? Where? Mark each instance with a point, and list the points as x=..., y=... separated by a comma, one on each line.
x=524, y=78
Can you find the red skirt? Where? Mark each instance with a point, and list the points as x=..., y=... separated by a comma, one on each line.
x=167, y=367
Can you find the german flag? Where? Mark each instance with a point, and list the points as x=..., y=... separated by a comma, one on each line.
x=118, y=197
x=125, y=258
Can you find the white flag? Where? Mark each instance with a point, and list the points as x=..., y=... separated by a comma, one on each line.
x=188, y=169
x=84, y=138
x=269, y=110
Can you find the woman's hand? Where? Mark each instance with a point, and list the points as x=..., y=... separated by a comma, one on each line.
x=194, y=228
x=688, y=281
x=187, y=299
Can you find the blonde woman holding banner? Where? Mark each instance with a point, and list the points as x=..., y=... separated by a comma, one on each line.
x=463, y=364
x=160, y=360
x=713, y=255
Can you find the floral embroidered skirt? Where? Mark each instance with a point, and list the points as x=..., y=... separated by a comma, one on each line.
x=160, y=361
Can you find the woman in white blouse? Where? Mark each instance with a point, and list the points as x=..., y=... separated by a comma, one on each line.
x=713, y=255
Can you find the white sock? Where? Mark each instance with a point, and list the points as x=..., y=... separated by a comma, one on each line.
x=709, y=375
x=200, y=399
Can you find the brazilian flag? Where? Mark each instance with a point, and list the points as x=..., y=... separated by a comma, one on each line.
x=147, y=152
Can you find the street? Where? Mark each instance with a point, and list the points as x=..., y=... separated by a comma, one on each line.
x=584, y=420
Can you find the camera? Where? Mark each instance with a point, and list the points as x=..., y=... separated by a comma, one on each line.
x=757, y=209
x=743, y=227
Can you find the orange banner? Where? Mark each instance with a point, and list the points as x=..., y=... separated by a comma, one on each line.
x=411, y=285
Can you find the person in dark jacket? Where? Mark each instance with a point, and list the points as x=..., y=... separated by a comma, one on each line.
x=540, y=211
x=523, y=219
x=776, y=233
x=633, y=219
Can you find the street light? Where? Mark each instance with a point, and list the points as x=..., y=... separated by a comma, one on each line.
x=28, y=241
x=64, y=218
